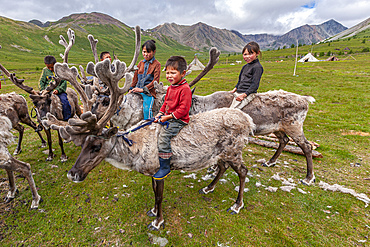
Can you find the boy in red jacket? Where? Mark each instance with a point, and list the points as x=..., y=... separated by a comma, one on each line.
x=175, y=110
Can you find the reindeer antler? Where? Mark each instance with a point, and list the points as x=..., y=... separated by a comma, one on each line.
x=137, y=49
x=103, y=71
x=77, y=129
x=68, y=46
x=70, y=74
x=93, y=43
x=214, y=55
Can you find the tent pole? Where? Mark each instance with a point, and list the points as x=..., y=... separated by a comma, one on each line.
x=296, y=57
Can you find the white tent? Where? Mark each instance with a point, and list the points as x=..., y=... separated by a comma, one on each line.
x=308, y=58
x=196, y=64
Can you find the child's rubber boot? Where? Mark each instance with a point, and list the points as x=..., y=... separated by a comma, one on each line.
x=164, y=169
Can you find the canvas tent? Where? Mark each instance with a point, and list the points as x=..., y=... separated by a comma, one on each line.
x=308, y=58
x=196, y=64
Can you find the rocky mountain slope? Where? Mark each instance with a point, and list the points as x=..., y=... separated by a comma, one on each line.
x=352, y=31
x=201, y=36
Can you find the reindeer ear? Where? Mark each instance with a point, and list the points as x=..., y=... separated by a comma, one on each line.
x=110, y=132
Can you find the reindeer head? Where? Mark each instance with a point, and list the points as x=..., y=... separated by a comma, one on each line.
x=45, y=101
x=88, y=130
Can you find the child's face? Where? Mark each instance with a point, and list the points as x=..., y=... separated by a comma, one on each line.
x=249, y=57
x=174, y=76
x=106, y=55
x=148, y=54
x=50, y=66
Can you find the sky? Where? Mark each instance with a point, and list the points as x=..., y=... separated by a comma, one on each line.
x=246, y=16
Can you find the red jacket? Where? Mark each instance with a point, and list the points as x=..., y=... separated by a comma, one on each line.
x=177, y=101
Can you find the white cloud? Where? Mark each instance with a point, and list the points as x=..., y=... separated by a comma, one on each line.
x=246, y=16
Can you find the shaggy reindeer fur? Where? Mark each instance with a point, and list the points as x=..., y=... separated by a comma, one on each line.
x=11, y=164
x=278, y=112
x=14, y=106
x=216, y=136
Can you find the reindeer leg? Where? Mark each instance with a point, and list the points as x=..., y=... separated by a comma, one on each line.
x=242, y=173
x=153, y=212
x=27, y=120
x=50, y=144
x=63, y=157
x=25, y=169
x=159, y=221
x=12, y=187
x=43, y=142
x=307, y=150
x=20, y=129
x=283, y=140
x=221, y=170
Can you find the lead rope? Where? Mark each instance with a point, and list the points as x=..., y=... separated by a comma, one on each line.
x=150, y=121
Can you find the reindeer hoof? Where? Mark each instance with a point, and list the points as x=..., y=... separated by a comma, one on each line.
x=154, y=227
x=11, y=196
x=43, y=145
x=8, y=199
x=35, y=204
x=309, y=182
x=235, y=209
x=16, y=152
x=268, y=165
x=63, y=159
x=205, y=192
x=150, y=213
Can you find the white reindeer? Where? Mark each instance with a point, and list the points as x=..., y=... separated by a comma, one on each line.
x=279, y=112
x=216, y=136
x=10, y=164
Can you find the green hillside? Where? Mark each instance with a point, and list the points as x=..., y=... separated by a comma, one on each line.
x=22, y=41
x=358, y=44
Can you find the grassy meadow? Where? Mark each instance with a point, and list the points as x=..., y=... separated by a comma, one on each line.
x=109, y=207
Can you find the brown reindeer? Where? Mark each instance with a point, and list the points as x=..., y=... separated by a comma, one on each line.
x=49, y=102
x=14, y=106
x=10, y=164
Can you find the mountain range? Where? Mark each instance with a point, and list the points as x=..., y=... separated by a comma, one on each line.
x=199, y=36
x=202, y=36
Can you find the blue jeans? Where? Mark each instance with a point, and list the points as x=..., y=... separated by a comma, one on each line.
x=147, y=105
x=67, y=114
x=165, y=136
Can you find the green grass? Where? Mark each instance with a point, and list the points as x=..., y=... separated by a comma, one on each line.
x=109, y=208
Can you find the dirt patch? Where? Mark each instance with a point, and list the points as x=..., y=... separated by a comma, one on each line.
x=356, y=133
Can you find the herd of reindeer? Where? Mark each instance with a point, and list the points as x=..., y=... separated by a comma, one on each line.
x=215, y=136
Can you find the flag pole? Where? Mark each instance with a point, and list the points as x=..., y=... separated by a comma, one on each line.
x=296, y=57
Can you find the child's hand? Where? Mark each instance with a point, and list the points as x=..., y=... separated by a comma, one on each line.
x=241, y=97
x=137, y=90
x=233, y=91
x=156, y=118
x=55, y=91
x=165, y=118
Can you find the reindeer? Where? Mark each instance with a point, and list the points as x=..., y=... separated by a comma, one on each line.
x=10, y=164
x=48, y=102
x=211, y=137
x=14, y=106
x=279, y=112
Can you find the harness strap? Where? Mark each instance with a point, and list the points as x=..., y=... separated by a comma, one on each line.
x=33, y=110
x=120, y=108
x=150, y=121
